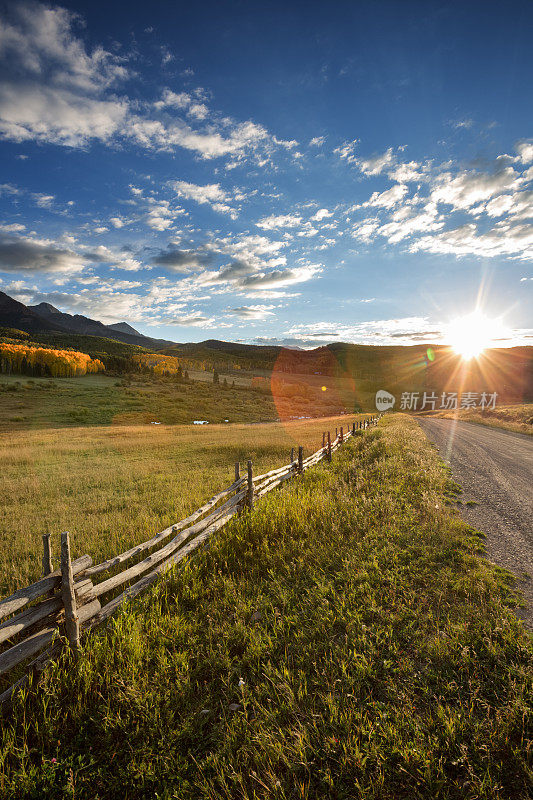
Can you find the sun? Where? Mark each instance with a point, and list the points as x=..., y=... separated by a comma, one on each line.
x=471, y=335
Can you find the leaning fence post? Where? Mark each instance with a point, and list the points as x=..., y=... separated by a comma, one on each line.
x=329, y=446
x=72, y=625
x=250, y=490
x=300, y=460
x=47, y=559
x=292, y=455
x=353, y=429
x=323, y=439
x=336, y=433
x=342, y=434
x=237, y=471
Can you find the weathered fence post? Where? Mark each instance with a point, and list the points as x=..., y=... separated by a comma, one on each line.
x=329, y=446
x=47, y=555
x=336, y=433
x=323, y=439
x=47, y=559
x=342, y=434
x=300, y=460
x=72, y=626
x=237, y=471
x=250, y=490
x=353, y=429
x=292, y=455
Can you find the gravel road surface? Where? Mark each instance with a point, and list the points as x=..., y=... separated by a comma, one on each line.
x=495, y=469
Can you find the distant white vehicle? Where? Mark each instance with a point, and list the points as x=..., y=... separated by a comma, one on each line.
x=200, y=422
x=155, y=423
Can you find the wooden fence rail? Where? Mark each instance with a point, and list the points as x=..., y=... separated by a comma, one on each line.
x=66, y=603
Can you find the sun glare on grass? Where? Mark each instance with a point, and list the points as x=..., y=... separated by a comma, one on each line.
x=471, y=335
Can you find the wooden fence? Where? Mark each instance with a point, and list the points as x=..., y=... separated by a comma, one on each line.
x=68, y=602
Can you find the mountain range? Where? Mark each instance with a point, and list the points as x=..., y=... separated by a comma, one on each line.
x=509, y=371
x=45, y=318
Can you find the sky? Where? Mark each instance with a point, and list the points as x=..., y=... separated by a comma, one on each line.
x=276, y=173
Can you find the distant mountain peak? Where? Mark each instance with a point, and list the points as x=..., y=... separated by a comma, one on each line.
x=125, y=328
x=46, y=307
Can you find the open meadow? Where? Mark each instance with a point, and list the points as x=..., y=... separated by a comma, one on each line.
x=114, y=486
x=141, y=399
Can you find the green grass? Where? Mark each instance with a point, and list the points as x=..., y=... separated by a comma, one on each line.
x=138, y=399
x=345, y=640
x=103, y=400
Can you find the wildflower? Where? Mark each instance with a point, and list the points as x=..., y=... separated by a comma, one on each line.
x=54, y=761
x=241, y=682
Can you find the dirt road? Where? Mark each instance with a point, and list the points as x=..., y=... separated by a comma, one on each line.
x=495, y=469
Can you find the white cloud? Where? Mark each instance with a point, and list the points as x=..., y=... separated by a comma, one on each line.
x=57, y=115
x=40, y=39
x=462, y=123
x=347, y=151
x=376, y=164
x=210, y=193
x=13, y=227
x=279, y=221
x=116, y=259
x=409, y=172
x=195, y=320
x=43, y=200
x=321, y=214
x=468, y=188
x=525, y=151
x=317, y=141
x=388, y=198
x=252, y=312
x=365, y=230
x=160, y=217
x=277, y=279
x=504, y=239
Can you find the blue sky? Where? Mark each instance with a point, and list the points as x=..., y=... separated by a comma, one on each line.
x=290, y=172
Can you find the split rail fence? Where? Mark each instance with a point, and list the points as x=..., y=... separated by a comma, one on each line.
x=67, y=602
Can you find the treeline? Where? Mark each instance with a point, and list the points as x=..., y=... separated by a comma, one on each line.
x=156, y=364
x=20, y=359
x=117, y=357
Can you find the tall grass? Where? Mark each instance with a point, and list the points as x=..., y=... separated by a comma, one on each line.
x=344, y=640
